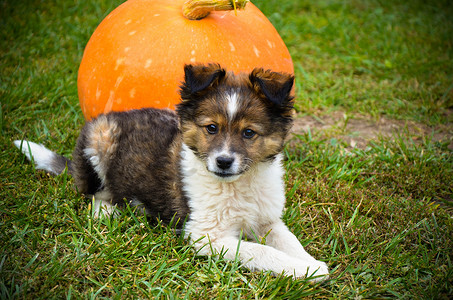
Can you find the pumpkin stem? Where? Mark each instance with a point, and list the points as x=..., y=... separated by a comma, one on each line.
x=199, y=9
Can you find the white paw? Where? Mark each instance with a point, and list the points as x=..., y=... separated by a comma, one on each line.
x=103, y=208
x=316, y=271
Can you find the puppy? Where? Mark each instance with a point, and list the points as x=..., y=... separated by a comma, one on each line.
x=216, y=163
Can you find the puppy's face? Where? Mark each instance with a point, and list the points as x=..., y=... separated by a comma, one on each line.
x=232, y=122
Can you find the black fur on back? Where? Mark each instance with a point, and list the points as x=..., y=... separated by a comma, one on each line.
x=143, y=166
x=87, y=181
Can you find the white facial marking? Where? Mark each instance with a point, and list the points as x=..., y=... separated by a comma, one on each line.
x=232, y=106
x=234, y=170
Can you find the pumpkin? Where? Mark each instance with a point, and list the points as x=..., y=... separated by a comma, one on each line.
x=136, y=56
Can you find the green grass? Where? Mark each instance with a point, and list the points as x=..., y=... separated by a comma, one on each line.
x=376, y=57
x=380, y=217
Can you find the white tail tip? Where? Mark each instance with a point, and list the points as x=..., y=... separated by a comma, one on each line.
x=40, y=155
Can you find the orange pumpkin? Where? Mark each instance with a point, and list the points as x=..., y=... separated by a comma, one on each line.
x=135, y=57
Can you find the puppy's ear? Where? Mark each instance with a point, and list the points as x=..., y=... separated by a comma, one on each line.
x=198, y=78
x=274, y=86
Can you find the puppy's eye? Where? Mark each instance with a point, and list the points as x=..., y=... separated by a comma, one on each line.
x=248, y=133
x=212, y=129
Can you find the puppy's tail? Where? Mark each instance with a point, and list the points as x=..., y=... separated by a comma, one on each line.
x=43, y=158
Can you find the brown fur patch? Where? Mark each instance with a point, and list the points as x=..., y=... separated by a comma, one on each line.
x=103, y=136
x=269, y=118
x=139, y=156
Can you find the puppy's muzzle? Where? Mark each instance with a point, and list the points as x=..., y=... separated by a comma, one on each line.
x=225, y=166
x=224, y=162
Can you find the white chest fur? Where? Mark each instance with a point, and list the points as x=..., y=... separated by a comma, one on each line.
x=253, y=203
x=220, y=208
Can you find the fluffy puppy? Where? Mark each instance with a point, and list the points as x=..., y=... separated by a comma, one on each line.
x=216, y=163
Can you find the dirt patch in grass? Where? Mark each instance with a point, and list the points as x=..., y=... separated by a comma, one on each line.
x=359, y=130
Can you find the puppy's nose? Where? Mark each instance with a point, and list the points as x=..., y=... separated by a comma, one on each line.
x=224, y=162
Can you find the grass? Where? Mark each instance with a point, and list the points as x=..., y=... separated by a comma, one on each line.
x=377, y=57
x=379, y=216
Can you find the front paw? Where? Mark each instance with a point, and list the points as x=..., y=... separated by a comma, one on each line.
x=315, y=271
